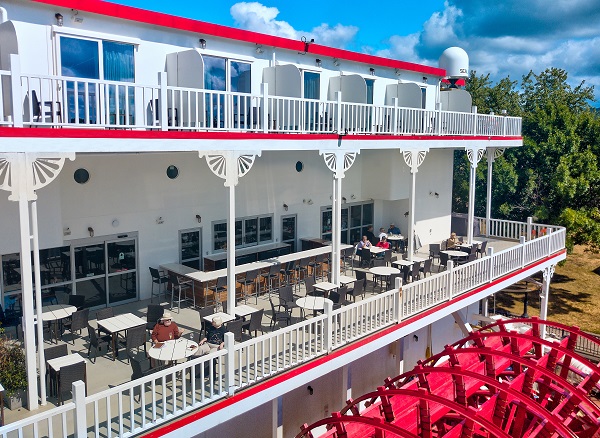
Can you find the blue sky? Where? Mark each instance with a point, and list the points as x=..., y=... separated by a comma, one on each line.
x=506, y=38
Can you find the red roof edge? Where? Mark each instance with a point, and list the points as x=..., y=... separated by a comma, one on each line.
x=217, y=30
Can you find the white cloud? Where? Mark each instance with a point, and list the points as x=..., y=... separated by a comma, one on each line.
x=259, y=18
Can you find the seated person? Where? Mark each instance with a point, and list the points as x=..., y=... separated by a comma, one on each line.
x=393, y=229
x=382, y=233
x=215, y=337
x=452, y=242
x=370, y=236
x=364, y=243
x=165, y=329
x=383, y=243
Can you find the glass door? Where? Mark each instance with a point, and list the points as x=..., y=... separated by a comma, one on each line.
x=190, y=248
x=89, y=265
x=122, y=270
x=288, y=231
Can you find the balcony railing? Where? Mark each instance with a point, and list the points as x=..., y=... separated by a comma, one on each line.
x=60, y=101
x=139, y=405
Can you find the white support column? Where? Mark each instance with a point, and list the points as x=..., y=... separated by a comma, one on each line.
x=17, y=98
x=492, y=154
x=547, y=274
x=277, y=417
x=163, y=118
x=474, y=155
x=265, y=107
x=230, y=166
x=38, y=299
x=413, y=159
x=23, y=174
x=338, y=162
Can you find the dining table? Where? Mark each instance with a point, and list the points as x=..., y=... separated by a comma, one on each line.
x=173, y=350
x=313, y=303
x=120, y=323
x=454, y=254
x=383, y=271
x=54, y=313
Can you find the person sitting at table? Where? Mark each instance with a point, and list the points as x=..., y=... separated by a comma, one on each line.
x=364, y=243
x=383, y=243
x=215, y=337
x=370, y=236
x=393, y=229
x=165, y=329
x=452, y=242
x=382, y=233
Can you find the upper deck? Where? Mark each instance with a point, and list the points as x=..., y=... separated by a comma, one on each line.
x=112, y=67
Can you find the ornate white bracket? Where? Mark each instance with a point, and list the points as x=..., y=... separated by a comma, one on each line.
x=230, y=166
x=339, y=162
x=474, y=155
x=35, y=170
x=493, y=153
x=414, y=159
x=548, y=272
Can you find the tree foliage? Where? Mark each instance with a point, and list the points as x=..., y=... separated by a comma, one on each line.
x=555, y=176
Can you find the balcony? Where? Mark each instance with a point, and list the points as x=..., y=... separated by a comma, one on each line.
x=135, y=406
x=67, y=102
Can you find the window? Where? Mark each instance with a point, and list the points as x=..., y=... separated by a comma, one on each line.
x=423, y=98
x=190, y=248
x=104, y=60
x=312, y=85
x=221, y=74
x=354, y=222
x=370, y=84
x=249, y=231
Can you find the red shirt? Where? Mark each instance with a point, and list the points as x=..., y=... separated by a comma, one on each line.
x=162, y=333
x=384, y=245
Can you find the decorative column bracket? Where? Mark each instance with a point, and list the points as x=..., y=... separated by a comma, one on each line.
x=547, y=274
x=492, y=154
x=475, y=155
x=339, y=162
x=414, y=159
x=40, y=170
x=231, y=165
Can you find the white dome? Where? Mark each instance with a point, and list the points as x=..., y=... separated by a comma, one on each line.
x=456, y=62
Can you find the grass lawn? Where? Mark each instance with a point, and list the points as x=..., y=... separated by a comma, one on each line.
x=574, y=293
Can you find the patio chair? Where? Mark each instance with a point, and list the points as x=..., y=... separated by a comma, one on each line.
x=415, y=271
x=235, y=327
x=366, y=258
x=142, y=367
x=387, y=257
x=309, y=284
x=96, y=342
x=67, y=376
x=77, y=301
x=469, y=259
x=101, y=314
x=49, y=354
x=443, y=261
x=336, y=297
x=434, y=251
x=287, y=298
x=348, y=258
x=426, y=268
x=153, y=314
x=205, y=311
x=255, y=323
x=357, y=290
x=79, y=321
x=181, y=287
x=158, y=280
x=136, y=338
x=391, y=281
x=279, y=313
x=361, y=277
x=483, y=248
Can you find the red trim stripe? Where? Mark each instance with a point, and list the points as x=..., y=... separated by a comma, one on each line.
x=189, y=135
x=255, y=389
x=202, y=28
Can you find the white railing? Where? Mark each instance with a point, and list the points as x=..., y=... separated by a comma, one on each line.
x=54, y=101
x=136, y=406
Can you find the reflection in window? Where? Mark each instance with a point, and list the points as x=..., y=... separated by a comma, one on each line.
x=370, y=83
x=214, y=73
x=240, y=76
x=312, y=85
x=121, y=256
x=118, y=62
x=79, y=58
x=89, y=261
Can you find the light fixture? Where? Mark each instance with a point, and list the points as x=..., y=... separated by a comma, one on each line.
x=503, y=112
x=372, y=71
x=310, y=389
x=406, y=214
x=307, y=201
x=318, y=61
x=343, y=199
x=436, y=194
x=285, y=206
x=115, y=223
x=67, y=232
x=397, y=72
x=202, y=42
x=352, y=196
x=91, y=231
x=259, y=49
x=199, y=218
x=160, y=220
x=75, y=16
x=336, y=62
x=59, y=19
x=425, y=79
x=415, y=338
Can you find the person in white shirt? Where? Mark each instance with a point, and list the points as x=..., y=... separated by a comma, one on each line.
x=382, y=233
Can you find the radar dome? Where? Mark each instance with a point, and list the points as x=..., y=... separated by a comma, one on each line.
x=456, y=63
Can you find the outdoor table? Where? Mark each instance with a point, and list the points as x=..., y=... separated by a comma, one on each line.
x=325, y=286
x=453, y=254
x=244, y=310
x=313, y=303
x=383, y=271
x=395, y=239
x=376, y=250
x=344, y=280
x=119, y=323
x=55, y=313
x=226, y=317
x=403, y=263
x=418, y=259
x=70, y=359
x=173, y=350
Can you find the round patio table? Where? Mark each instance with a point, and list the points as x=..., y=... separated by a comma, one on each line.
x=176, y=349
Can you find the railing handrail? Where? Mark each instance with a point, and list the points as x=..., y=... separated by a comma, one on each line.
x=437, y=289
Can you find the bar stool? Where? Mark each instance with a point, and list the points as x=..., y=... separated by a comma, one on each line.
x=302, y=268
x=271, y=275
x=181, y=286
x=249, y=280
x=219, y=286
x=158, y=280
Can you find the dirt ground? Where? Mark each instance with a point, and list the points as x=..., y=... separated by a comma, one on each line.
x=574, y=293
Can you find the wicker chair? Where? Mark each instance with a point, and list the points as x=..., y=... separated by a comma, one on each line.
x=235, y=327
x=79, y=321
x=136, y=338
x=279, y=313
x=67, y=376
x=158, y=280
x=96, y=342
x=153, y=314
x=255, y=322
x=49, y=354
